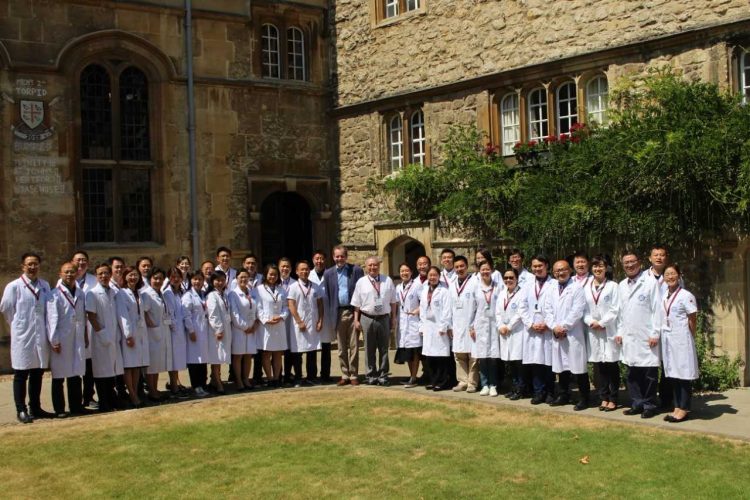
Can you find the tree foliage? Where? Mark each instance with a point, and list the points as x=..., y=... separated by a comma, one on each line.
x=673, y=166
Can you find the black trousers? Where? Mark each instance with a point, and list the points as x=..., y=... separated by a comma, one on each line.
x=325, y=360
x=258, y=367
x=527, y=380
x=290, y=372
x=295, y=363
x=682, y=392
x=439, y=368
x=666, y=397
x=609, y=381
x=32, y=378
x=198, y=374
x=582, y=380
x=88, y=383
x=311, y=365
x=642, y=382
x=75, y=394
x=542, y=378
x=514, y=368
x=105, y=387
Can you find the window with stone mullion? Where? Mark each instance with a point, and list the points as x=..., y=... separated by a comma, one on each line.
x=567, y=107
x=271, y=66
x=510, y=123
x=295, y=54
x=417, y=137
x=396, y=142
x=597, y=92
x=538, y=120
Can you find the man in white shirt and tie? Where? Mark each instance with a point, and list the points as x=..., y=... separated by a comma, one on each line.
x=375, y=314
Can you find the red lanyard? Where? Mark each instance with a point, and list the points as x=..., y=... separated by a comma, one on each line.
x=459, y=290
x=273, y=294
x=595, y=295
x=668, y=308
x=538, y=289
x=507, y=300
x=64, y=294
x=33, y=292
x=248, y=297
x=430, y=290
x=488, y=294
x=375, y=286
x=405, y=291
x=304, y=293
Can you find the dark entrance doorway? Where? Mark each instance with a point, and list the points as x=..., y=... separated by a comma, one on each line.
x=286, y=228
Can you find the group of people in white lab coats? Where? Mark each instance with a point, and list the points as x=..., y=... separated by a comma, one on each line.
x=118, y=329
x=552, y=322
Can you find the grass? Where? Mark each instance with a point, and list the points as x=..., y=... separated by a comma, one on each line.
x=361, y=444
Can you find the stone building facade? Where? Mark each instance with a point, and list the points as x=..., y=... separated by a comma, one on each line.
x=94, y=141
x=516, y=69
x=298, y=104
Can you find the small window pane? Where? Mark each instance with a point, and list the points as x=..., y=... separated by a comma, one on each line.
x=135, y=205
x=135, y=143
x=567, y=107
x=391, y=8
x=98, y=206
x=597, y=100
x=538, y=122
x=270, y=51
x=96, y=114
x=412, y=5
x=511, y=123
x=417, y=138
x=396, y=143
x=295, y=54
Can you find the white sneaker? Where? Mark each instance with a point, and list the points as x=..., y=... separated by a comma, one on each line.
x=485, y=391
x=493, y=391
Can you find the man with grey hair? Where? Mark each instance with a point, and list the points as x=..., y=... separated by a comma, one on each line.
x=375, y=314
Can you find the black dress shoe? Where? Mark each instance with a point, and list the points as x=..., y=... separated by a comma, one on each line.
x=581, y=405
x=515, y=396
x=61, y=414
x=428, y=387
x=633, y=411
x=39, y=413
x=537, y=400
x=648, y=413
x=24, y=417
x=560, y=401
x=673, y=420
x=81, y=412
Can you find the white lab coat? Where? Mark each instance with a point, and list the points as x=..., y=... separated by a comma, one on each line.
x=197, y=314
x=566, y=309
x=509, y=311
x=434, y=318
x=537, y=347
x=66, y=325
x=582, y=282
x=462, y=310
x=639, y=320
x=87, y=283
x=106, y=356
x=487, y=342
x=219, y=321
x=25, y=312
x=244, y=310
x=328, y=332
x=496, y=277
x=307, y=309
x=602, y=306
x=288, y=321
x=525, y=278
x=132, y=323
x=159, y=336
x=677, y=343
x=408, y=324
x=272, y=303
x=178, y=329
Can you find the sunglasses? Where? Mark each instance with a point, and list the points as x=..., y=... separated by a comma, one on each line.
x=508, y=278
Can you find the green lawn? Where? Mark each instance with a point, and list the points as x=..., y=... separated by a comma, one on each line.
x=366, y=443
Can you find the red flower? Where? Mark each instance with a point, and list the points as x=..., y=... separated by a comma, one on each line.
x=531, y=144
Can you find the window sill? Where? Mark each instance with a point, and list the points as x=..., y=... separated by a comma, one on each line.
x=389, y=21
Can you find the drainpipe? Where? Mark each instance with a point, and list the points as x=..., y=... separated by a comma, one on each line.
x=191, y=134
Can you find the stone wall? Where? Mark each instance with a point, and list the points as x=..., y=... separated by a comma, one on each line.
x=455, y=40
x=246, y=126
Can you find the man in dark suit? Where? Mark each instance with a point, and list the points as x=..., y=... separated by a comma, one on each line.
x=339, y=284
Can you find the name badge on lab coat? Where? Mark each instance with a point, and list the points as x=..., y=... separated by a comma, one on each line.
x=378, y=306
x=277, y=308
x=538, y=318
